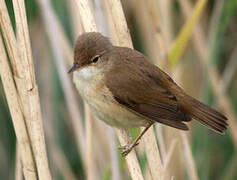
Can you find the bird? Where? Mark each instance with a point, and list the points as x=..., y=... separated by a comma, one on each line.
x=125, y=90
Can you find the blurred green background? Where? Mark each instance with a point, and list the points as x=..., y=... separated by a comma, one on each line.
x=215, y=155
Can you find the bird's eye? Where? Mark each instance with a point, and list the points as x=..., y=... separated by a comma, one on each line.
x=95, y=59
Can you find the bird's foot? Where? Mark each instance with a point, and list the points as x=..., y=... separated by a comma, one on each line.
x=126, y=149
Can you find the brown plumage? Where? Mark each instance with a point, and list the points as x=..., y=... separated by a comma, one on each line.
x=136, y=85
x=151, y=93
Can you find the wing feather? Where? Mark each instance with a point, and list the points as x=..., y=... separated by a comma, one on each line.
x=141, y=91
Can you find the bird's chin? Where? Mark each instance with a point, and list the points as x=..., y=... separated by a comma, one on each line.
x=87, y=72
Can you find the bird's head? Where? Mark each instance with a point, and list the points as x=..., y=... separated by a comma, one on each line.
x=89, y=48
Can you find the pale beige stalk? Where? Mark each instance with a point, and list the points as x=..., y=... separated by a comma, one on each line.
x=89, y=25
x=167, y=159
x=17, y=116
x=125, y=40
x=23, y=40
x=166, y=22
x=222, y=99
x=112, y=30
x=190, y=165
x=148, y=32
x=153, y=156
x=28, y=91
x=50, y=20
x=161, y=141
x=75, y=18
x=89, y=151
x=114, y=154
x=120, y=24
x=131, y=158
x=159, y=34
x=18, y=166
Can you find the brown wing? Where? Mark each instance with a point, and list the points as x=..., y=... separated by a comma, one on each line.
x=136, y=85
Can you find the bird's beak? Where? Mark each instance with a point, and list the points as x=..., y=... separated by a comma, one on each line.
x=74, y=67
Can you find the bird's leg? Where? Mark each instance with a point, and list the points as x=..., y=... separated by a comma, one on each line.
x=127, y=148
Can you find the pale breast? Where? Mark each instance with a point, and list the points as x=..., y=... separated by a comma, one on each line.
x=102, y=103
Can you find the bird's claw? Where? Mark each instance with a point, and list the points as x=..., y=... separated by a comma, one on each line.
x=126, y=149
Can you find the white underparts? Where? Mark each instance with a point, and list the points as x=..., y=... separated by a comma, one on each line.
x=90, y=84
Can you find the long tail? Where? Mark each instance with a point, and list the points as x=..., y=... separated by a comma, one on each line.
x=206, y=115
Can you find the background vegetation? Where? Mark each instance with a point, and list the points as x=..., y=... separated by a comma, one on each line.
x=204, y=64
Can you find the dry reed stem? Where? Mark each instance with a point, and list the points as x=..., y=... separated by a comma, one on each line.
x=147, y=31
x=165, y=23
x=89, y=25
x=131, y=158
x=17, y=116
x=112, y=30
x=23, y=40
x=18, y=166
x=159, y=32
x=190, y=165
x=114, y=156
x=86, y=15
x=53, y=33
x=147, y=174
x=100, y=18
x=75, y=18
x=217, y=84
x=161, y=142
x=26, y=86
x=89, y=151
x=153, y=156
x=167, y=159
x=120, y=25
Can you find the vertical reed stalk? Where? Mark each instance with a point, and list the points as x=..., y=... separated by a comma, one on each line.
x=18, y=166
x=17, y=115
x=125, y=40
x=153, y=155
x=53, y=33
x=190, y=165
x=24, y=77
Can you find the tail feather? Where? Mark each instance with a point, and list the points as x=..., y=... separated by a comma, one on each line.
x=216, y=125
x=207, y=116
